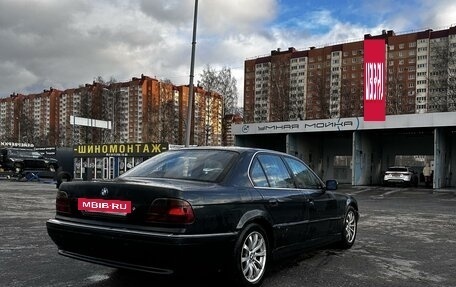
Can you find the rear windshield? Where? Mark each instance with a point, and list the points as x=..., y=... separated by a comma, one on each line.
x=201, y=165
x=397, y=169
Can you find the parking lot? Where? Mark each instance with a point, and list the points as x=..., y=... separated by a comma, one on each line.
x=407, y=237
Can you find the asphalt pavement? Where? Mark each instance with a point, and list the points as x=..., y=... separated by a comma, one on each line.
x=406, y=237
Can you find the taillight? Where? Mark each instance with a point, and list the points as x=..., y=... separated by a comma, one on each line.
x=62, y=203
x=170, y=210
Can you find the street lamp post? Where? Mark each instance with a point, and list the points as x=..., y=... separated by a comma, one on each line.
x=192, y=68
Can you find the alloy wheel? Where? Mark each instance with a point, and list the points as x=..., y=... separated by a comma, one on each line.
x=253, y=256
x=350, y=226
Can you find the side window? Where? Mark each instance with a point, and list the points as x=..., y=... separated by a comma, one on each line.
x=257, y=175
x=276, y=171
x=305, y=178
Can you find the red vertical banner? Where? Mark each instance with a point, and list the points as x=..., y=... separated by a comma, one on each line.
x=374, y=80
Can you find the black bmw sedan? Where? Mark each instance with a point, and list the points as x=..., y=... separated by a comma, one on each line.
x=234, y=209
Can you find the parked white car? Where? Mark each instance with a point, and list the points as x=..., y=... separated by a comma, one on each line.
x=400, y=175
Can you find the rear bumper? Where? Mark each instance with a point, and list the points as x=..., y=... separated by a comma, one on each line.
x=160, y=253
x=398, y=180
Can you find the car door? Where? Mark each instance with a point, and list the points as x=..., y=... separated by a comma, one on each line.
x=322, y=205
x=285, y=203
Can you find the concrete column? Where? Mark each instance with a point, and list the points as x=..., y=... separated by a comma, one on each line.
x=357, y=158
x=442, y=158
x=364, y=159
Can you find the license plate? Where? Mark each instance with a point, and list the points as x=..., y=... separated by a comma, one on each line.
x=104, y=205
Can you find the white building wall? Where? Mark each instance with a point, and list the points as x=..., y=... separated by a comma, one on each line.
x=422, y=74
x=438, y=75
x=297, y=94
x=336, y=83
x=262, y=86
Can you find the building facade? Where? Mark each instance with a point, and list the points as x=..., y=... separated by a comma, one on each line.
x=328, y=82
x=141, y=110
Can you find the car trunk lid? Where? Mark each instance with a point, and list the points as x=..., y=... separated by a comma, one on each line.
x=118, y=200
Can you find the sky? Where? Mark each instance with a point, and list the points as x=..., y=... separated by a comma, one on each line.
x=67, y=43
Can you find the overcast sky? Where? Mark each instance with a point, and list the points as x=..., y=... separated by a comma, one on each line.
x=66, y=43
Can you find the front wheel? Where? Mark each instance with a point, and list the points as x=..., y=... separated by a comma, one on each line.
x=251, y=256
x=350, y=229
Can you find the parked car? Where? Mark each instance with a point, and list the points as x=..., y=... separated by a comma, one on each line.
x=400, y=175
x=18, y=160
x=232, y=209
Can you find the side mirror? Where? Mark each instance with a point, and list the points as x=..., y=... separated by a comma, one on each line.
x=331, y=184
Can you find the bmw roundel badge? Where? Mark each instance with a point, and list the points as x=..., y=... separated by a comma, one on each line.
x=104, y=191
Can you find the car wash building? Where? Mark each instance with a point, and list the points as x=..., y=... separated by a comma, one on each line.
x=355, y=151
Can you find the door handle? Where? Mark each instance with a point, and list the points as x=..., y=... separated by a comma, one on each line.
x=311, y=202
x=273, y=202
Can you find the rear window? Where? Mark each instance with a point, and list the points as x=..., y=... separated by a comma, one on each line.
x=400, y=169
x=201, y=165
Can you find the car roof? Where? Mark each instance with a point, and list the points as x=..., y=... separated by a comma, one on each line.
x=232, y=148
x=235, y=148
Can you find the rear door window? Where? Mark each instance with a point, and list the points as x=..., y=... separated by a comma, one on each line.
x=276, y=172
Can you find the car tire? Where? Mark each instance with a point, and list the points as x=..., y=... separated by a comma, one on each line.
x=18, y=169
x=53, y=168
x=251, y=256
x=350, y=229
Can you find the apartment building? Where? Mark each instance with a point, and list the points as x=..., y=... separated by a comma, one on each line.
x=29, y=118
x=328, y=82
x=141, y=110
x=8, y=120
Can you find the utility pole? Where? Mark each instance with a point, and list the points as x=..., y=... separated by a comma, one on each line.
x=192, y=68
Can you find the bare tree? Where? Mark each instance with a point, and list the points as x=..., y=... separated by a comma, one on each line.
x=28, y=130
x=319, y=97
x=228, y=90
x=442, y=78
x=111, y=106
x=280, y=89
x=397, y=93
x=167, y=113
x=85, y=112
x=223, y=83
x=351, y=100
